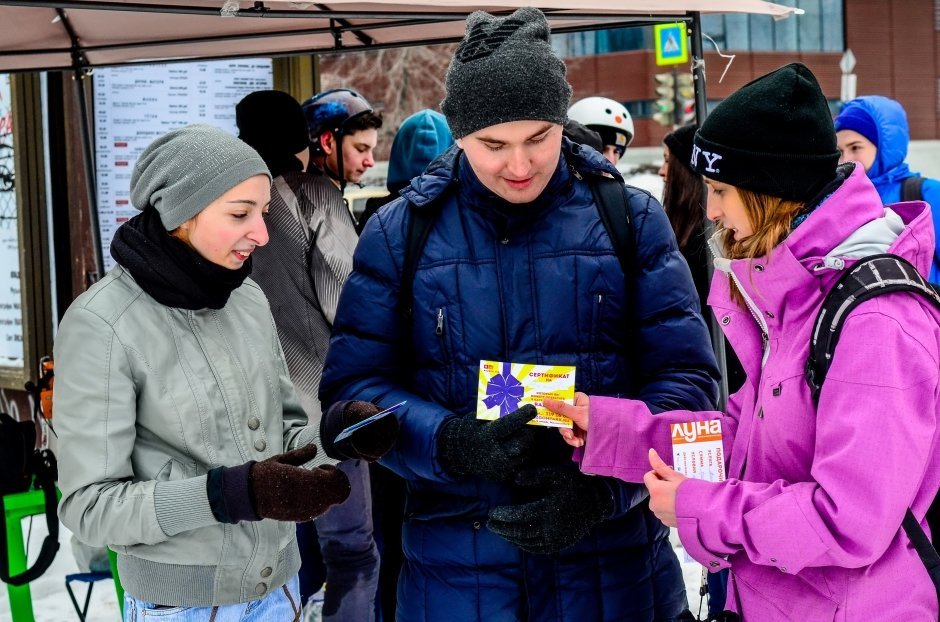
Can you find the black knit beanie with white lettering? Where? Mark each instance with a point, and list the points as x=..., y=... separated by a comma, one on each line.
x=505, y=70
x=772, y=136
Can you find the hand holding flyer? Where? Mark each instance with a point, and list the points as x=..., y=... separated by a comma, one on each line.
x=504, y=387
x=388, y=412
x=697, y=451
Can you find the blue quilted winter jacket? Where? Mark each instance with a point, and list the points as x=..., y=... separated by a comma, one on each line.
x=536, y=283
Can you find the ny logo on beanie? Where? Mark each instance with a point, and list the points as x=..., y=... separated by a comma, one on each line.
x=710, y=158
x=479, y=43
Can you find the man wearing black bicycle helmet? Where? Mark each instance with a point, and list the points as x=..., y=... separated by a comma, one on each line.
x=343, y=132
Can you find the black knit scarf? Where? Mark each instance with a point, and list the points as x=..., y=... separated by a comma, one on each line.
x=168, y=269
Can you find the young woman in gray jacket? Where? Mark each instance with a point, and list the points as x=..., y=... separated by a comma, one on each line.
x=182, y=444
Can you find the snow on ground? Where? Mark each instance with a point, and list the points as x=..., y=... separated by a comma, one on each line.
x=51, y=602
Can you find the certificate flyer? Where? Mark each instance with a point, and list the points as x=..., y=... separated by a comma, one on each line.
x=505, y=387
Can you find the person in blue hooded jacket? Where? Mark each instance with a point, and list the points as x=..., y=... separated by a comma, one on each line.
x=518, y=267
x=421, y=137
x=872, y=130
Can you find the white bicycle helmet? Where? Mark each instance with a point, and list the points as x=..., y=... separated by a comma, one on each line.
x=607, y=117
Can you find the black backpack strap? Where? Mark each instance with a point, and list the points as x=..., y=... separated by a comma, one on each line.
x=611, y=199
x=420, y=222
x=870, y=277
x=912, y=189
x=925, y=550
x=45, y=468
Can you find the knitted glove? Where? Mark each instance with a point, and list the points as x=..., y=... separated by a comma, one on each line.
x=278, y=488
x=369, y=443
x=568, y=505
x=489, y=449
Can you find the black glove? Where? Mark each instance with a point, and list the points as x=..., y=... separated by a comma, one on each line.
x=277, y=488
x=489, y=449
x=568, y=505
x=369, y=443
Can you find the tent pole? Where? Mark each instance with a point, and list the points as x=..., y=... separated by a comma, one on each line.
x=80, y=67
x=701, y=111
x=89, y=169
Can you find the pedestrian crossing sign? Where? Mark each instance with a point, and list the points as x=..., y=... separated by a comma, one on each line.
x=672, y=47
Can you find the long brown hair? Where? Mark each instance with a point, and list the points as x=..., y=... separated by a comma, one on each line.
x=682, y=200
x=770, y=219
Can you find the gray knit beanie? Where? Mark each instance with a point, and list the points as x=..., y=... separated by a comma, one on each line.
x=185, y=170
x=505, y=70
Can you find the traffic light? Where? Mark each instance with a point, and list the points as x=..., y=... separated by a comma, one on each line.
x=676, y=98
x=685, y=99
x=665, y=106
x=688, y=112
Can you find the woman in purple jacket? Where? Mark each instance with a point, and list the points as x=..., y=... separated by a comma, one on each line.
x=809, y=517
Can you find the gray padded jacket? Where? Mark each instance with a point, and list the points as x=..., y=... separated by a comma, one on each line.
x=148, y=399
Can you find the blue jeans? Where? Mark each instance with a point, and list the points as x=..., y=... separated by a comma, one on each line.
x=280, y=604
x=349, y=551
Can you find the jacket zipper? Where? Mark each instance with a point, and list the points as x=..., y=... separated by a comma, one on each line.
x=765, y=339
x=439, y=330
x=595, y=336
x=765, y=348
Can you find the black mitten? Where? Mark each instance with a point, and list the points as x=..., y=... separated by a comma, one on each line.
x=489, y=449
x=369, y=443
x=569, y=504
x=278, y=488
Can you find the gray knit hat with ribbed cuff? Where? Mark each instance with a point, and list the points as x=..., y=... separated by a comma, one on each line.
x=185, y=170
x=505, y=70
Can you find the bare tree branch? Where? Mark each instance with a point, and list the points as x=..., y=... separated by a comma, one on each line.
x=398, y=81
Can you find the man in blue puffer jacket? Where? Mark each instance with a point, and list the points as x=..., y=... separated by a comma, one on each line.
x=498, y=526
x=872, y=130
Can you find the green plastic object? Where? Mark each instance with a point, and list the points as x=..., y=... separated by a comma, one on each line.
x=118, y=588
x=17, y=507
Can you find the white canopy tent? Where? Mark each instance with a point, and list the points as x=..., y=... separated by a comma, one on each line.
x=36, y=35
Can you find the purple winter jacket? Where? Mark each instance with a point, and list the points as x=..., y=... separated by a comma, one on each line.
x=809, y=519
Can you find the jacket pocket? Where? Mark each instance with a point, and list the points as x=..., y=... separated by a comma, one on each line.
x=605, y=339
x=766, y=593
x=786, y=412
x=165, y=473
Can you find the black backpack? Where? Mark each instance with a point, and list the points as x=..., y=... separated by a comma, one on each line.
x=609, y=196
x=873, y=276
x=20, y=465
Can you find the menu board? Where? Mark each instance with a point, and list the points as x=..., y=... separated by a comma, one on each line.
x=136, y=104
x=11, y=311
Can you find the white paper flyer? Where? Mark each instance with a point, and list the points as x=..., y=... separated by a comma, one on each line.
x=697, y=450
